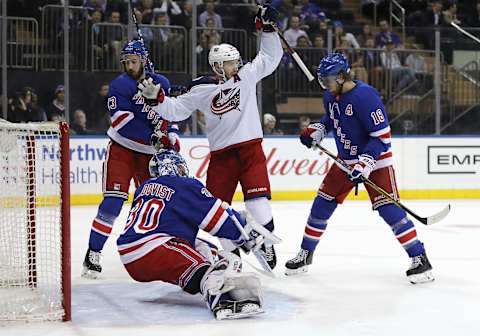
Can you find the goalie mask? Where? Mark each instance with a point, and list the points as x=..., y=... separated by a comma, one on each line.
x=221, y=53
x=168, y=163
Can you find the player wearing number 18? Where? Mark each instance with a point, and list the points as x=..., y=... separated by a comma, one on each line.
x=355, y=114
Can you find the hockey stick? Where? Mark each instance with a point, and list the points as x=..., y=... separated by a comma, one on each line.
x=424, y=220
x=293, y=53
x=295, y=56
x=140, y=35
x=261, y=260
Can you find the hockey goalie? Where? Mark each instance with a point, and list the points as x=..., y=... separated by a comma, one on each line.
x=160, y=243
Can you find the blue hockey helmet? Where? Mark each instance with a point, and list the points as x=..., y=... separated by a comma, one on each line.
x=168, y=163
x=330, y=66
x=136, y=47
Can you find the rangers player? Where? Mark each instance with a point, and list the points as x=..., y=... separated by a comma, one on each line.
x=355, y=114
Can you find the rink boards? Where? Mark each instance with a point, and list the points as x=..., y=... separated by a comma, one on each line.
x=426, y=167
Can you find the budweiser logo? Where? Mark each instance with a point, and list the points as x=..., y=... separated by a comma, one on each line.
x=275, y=164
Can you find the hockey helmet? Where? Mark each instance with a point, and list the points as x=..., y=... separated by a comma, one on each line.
x=137, y=47
x=168, y=163
x=329, y=68
x=221, y=53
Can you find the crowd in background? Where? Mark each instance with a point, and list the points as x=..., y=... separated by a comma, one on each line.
x=305, y=25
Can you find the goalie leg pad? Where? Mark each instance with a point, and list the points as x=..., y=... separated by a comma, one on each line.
x=230, y=294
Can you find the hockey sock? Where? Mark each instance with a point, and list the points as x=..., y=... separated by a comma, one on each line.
x=261, y=211
x=321, y=211
x=102, y=225
x=403, y=229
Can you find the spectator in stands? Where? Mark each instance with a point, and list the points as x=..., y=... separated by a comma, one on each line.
x=318, y=41
x=183, y=19
x=402, y=76
x=171, y=7
x=95, y=5
x=112, y=38
x=342, y=39
x=79, y=123
x=37, y=110
x=365, y=35
x=120, y=6
x=20, y=109
x=450, y=14
x=474, y=20
x=269, y=122
x=433, y=16
x=416, y=62
x=210, y=33
x=303, y=122
x=95, y=34
x=385, y=34
x=56, y=109
x=145, y=7
x=303, y=42
x=98, y=114
x=210, y=13
x=294, y=32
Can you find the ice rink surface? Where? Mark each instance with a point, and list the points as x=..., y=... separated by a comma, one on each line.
x=356, y=286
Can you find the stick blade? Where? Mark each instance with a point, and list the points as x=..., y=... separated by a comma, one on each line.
x=439, y=216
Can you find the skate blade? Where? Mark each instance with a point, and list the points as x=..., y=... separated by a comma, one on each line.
x=247, y=311
x=90, y=274
x=299, y=270
x=421, y=278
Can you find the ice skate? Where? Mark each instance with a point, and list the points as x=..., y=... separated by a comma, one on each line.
x=420, y=270
x=300, y=263
x=91, y=265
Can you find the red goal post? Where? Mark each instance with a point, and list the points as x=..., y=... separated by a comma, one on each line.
x=35, y=280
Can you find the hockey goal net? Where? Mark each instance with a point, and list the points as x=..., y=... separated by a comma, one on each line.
x=34, y=222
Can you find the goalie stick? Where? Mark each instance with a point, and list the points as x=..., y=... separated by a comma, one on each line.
x=424, y=220
x=263, y=232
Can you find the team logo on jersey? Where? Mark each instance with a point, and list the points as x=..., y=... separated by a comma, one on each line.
x=225, y=101
x=349, y=110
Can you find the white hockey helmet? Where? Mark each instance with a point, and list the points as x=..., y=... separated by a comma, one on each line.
x=221, y=53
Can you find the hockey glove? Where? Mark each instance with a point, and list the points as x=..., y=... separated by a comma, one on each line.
x=362, y=168
x=266, y=18
x=160, y=137
x=313, y=134
x=151, y=92
x=174, y=141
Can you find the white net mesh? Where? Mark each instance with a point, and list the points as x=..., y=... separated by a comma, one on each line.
x=30, y=223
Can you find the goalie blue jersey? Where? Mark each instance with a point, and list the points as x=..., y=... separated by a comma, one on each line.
x=132, y=121
x=359, y=124
x=173, y=206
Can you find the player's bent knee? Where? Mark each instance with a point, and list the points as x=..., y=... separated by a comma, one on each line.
x=391, y=213
x=193, y=285
x=322, y=208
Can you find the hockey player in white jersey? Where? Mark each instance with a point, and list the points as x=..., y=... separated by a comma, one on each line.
x=233, y=125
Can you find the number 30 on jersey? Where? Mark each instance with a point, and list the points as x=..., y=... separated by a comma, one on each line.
x=145, y=215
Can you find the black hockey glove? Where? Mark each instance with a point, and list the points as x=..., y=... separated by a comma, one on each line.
x=266, y=18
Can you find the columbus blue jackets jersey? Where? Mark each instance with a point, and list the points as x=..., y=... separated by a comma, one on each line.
x=132, y=121
x=359, y=124
x=172, y=206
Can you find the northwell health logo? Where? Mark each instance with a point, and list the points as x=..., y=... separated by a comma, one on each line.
x=453, y=159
